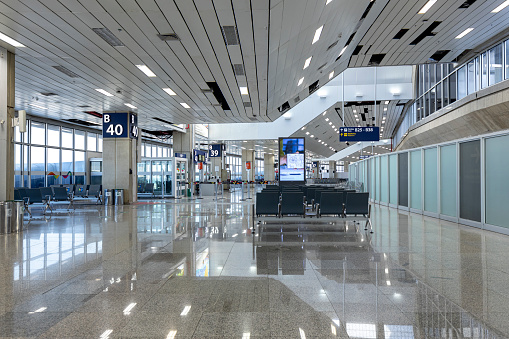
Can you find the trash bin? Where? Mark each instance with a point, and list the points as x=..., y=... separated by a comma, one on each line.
x=108, y=197
x=189, y=192
x=11, y=217
x=119, y=197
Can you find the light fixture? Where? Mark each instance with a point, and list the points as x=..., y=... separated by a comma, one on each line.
x=496, y=10
x=312, y=136
x=171, y=335
x=169, y=91
x=129, y=308
x=327, y=119
x=10, y=41
x=343, y=50
x=108, y=94
x=244, y=91
x=34, y=105
x=354, y=111
x=465, y=32
x=328, y=2
x=385, y=109
x=330, y=123
x=387, y=102
x=324, y=113
x=131, y=106
x=308, y=61
x=427, y=6
x=106, y=334
x=303, y=128
x=301, y=80
x=146, y=70
x=307, y=133
x=331, y=75
x=185, y=105
x=42, y=309
x=317, y=35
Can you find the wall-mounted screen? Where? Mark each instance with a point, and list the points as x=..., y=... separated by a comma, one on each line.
x=292, y=159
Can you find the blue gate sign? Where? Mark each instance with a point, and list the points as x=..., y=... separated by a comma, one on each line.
x=115, y=125
x=215, y=151
x=133, y=126
x=362, y=157
x=359, y=134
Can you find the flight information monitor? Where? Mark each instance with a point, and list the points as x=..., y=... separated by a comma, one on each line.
x=292, y=161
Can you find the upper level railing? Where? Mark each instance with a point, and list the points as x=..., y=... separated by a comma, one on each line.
x=486, y=69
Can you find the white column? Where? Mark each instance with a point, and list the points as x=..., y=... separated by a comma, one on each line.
x=6, y=130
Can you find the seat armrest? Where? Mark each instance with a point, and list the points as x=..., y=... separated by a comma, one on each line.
x=48, y=197
x=318, y=210
x=279, y=210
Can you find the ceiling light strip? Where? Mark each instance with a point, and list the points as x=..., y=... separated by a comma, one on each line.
x=501, y=7
x=427, y=6
x=10, y=41
x=465, y=32
x=146, y=70
x=318, y=32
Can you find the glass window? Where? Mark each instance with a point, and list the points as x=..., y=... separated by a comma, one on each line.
x=470, y=180
x=37, y=159
x=53, y=136
x=100, y=143
x=148, y=151
x=506, y=59
x=471, y=77
x=53, y=156
x=452, y=88
x=17, y=157
x=495, y=65
x=92, y=142
x=37, y=132
x=415, y=180
x=79, y=180
x=497, y=191
x=462, y=82
x=79, y=159
x=18, y=181
x=142, y=150
x=67, y=137
x=430, y=180
x=67, y=161
x=159, y=151
x=484, y=70
x=37, y=181
x=18, y=137
x=448, y=177
x=25, y=157
x=154, y=152
x=79, y=139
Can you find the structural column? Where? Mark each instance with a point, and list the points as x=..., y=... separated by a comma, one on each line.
x=268, y=167
x=248, y=155
x=332, y=169
x=120, y=168
x=6, y=128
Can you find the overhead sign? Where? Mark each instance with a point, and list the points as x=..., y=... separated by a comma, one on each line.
x=199, y=156
x=315, y=164
x=133, y=126
x=359, y=134
x=362, y=157
x=115, y=125
x=180, y=155
x=215, y=151
x=292, y=159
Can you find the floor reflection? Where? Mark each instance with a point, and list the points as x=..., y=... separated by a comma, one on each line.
x=193, y=268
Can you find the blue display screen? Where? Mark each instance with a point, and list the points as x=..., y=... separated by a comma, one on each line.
x=292, y=159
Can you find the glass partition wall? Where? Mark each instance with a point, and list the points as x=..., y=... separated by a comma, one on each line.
x=463, y=181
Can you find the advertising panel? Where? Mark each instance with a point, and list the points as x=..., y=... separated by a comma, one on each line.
x=292, y=161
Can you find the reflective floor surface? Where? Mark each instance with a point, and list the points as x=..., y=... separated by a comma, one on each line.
x=194, y=269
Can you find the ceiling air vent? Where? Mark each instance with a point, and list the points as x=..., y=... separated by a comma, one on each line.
x=230, y=35
x=66, y=71
x=297, y=99
x=314, y=86
x=239, y=69
x=216, y=91
x=248, y=104
x=439, y=55
x=321, y=67
x=467, y=3
x=169, y=37
x=332, y=45
x=376, y=59
x=49, y=94
x=426, y=33
x=400, y=34
x=107, y=36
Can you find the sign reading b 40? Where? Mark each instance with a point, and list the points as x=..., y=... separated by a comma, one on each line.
x=120, y=125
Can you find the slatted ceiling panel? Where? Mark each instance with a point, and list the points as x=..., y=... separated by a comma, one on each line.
x=261, y=38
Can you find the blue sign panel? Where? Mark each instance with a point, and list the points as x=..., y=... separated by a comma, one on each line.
x=315, y=164
x=115, y=125
x=215, y=151
x=199, y=156
x=133, y=126
x=359, y=134
x=180, y=155
x=362, y=157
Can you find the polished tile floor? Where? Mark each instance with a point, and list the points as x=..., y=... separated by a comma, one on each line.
x=193, y=269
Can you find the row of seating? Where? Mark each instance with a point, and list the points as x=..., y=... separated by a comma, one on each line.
x=146, y=188
x=311, y=201
x=83, y=192
x=42, y=197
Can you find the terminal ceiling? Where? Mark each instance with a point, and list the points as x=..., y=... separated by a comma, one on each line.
x=219, y=46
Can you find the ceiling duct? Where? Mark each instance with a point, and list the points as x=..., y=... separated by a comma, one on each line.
x=107, y=36
x=230, y=35
x=238, y=69
x=400, y=34
x=216, y=91
x=439, y=55
x=66, y=71
x=169, y=37
x=376, y=59
x=426, y=33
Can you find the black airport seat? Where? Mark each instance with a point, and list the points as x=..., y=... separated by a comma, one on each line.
x=35, y=197
x=95, y=192
x=267, y=203
x=331, y=204
x=47, y=193
x=357, y=203
x=80, y=191
x=292, y=203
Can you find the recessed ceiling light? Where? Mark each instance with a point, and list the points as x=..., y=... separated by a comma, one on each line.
x=331, y=75
x=385, y=109
x=387, y=102
x=108, y=94
x=244, y=91
x=307, y=133
x=496, y=10
x=131, y=106
x=327, y=119
x=343, y=50
x=185, y=105
x=301, y=80
x=324, y=113
x=427, y=6
x=317, y=34
x=303, y=128
x=465, y=32
x=330, y=123
x=308, y=61
x=146, y=70
x=10, y=41
x=354, y=111
x=169, y=91
x=34, y=105
x=328, y=2
x=311, y=136
x=334, y=127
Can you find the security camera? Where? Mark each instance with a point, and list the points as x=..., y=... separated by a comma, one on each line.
x=119, y=92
